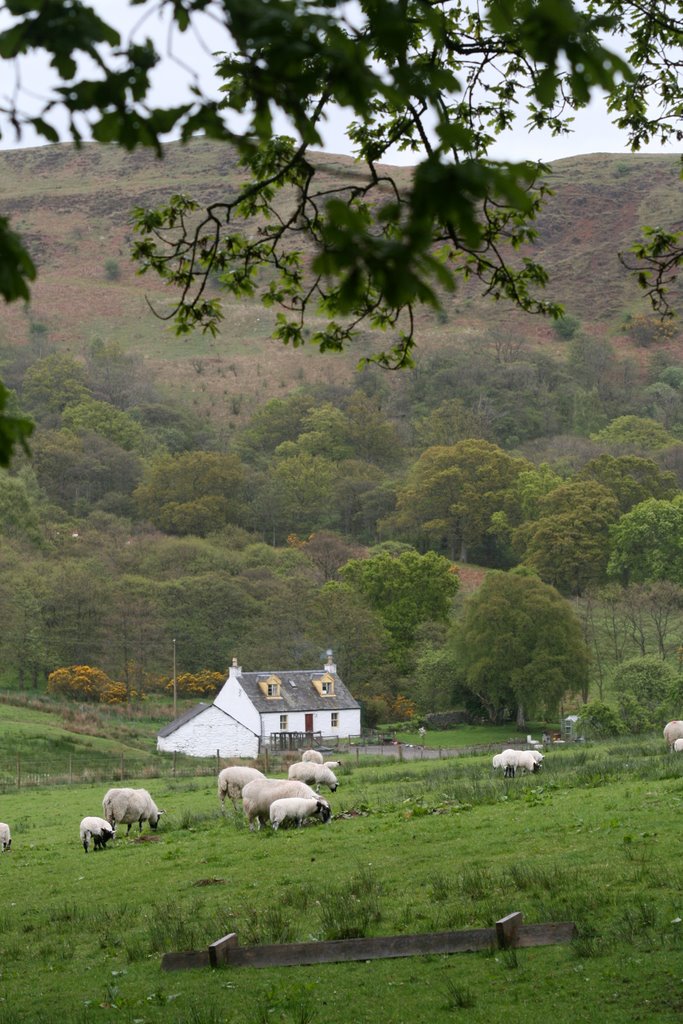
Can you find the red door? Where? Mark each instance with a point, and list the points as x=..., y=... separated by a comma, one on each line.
x=309, y=723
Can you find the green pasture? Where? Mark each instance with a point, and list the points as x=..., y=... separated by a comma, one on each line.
x=413, y=847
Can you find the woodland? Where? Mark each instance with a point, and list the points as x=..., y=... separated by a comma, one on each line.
x=524, y=480
x=498, y=528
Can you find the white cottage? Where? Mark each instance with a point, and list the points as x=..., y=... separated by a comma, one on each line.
x=254, y=709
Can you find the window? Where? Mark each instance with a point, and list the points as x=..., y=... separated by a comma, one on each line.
x=273, y=690
x=334, y=719
x=270, y=687
x=324, y=687
x=283, y=723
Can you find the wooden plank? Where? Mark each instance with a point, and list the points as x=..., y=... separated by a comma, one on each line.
x=219, y=950
x=183, y=961
x=507, y=930
x=546, y=934
x=375, y=948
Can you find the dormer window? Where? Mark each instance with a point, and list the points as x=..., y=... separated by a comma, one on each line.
x=324, y=684
x=270, y=687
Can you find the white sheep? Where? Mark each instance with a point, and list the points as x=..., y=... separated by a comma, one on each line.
x=296, y=808
x=678, y=745
x=312, y=755
x=507, y=760
x=97, y=829
x=126, y=806
x=332, y=764
x=231, y=781
x=5, y=837
x=313, y=774
x=257, y=796
x=673, y=731
x=537, y=755
x=527, y=760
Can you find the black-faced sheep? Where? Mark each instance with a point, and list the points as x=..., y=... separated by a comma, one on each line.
x=257, y=796
x=233, y=779
x=296, y=808
x=313, y=774
x=126, y=806
x=97, y=829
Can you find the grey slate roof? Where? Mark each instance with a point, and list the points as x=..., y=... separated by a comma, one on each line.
x=297, y=692
x=181, y=719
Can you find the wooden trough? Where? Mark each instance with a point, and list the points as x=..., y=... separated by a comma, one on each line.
x=507, y=933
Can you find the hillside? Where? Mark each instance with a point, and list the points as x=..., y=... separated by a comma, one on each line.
x=73, y=209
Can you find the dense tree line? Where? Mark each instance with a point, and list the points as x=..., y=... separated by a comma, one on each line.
x=334, y=519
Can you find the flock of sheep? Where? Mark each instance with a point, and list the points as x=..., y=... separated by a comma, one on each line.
x=276, y=800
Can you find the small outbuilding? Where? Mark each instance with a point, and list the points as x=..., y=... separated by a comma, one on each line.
x=256, y=710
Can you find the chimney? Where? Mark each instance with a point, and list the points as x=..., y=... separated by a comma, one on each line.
x=329, y=664
x=235, y=670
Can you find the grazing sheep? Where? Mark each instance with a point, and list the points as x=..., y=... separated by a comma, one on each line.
x=232, y=780
x=5, y=837
x=97, y=829
x=678, y=745
x=296, y=808
x=673, y=731
x=510, y=760
x=314, y=774
x=507, y=760
x=257, y=796
x=332, y=764
x=312, y=755
x=126, y=806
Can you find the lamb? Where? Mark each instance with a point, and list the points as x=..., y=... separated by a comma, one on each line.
x=97, y=829
x=312, y=755
x=257, y=796
x=126, y=806
x=232, y=780
x=5, y=837
x=673, y=731
x=313, y=774
x=296, y=808
x=678, y=745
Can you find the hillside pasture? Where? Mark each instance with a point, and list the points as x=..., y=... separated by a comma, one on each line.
x=413, y=847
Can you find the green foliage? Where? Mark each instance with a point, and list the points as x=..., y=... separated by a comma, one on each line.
x=520, y=646
x=599, y=720
x=647, y=542
x=644, y=687
x=102, y=418
x=405, y=590
x=637, y=431
x=566, y=326
x=112, y=270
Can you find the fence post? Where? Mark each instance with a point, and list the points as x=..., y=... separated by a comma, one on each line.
x=357, y=755
x=218, y=761
x=174, y=757
x=265, y=756
x=18, y=771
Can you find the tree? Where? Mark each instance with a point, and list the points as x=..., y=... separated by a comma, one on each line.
x=643, y=687
x=406, y=590
x=647, y=542
x=568, y=545
x=451, y=493
x=630, y=478
x=520, y=646
x=195, y=492
x=636, y=432
x=440, y=80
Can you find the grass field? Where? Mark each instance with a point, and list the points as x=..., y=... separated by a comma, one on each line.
x=413, y=847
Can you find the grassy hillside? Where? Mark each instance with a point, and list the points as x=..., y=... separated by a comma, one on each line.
x=411, y=848
x=73, y=208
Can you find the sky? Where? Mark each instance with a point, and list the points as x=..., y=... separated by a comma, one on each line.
x=594, y=133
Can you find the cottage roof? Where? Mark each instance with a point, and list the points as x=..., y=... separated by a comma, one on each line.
x=297, y=691
x=182, y=719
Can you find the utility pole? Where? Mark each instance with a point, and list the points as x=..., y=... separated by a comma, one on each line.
x=175, y=686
